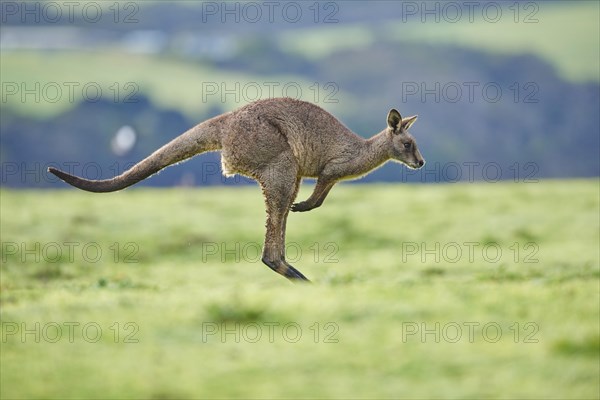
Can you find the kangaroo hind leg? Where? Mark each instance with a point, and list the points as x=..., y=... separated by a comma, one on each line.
x=280, y=188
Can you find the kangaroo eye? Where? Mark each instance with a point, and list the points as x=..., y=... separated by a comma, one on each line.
x=407, y=145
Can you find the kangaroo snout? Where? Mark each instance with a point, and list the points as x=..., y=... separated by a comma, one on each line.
x=416, y=165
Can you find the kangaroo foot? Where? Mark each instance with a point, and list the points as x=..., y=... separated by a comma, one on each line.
x=285, y=269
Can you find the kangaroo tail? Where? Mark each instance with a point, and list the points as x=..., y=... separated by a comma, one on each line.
x=201, y=138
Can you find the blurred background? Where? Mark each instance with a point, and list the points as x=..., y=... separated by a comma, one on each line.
x=405, y=288
x=503, y=90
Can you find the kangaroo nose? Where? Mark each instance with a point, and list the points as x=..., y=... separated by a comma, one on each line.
x=421, y=163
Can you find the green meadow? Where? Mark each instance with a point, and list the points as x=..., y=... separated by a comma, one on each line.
x=471, y=290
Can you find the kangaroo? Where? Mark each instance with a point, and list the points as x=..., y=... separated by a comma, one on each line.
x=277, y=142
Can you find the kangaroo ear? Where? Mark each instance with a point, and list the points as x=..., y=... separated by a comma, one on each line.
x=394, y=119
x=408, y=121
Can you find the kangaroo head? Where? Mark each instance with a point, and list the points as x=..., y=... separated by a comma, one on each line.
x=404, y=146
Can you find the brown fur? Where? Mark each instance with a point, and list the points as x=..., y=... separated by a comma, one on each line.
x=277, y=142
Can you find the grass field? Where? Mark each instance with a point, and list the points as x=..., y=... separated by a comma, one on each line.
x=419, y=291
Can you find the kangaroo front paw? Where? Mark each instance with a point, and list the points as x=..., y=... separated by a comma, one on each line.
x=302, y=206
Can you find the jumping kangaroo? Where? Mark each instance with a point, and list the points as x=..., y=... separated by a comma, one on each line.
x=277, y=142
